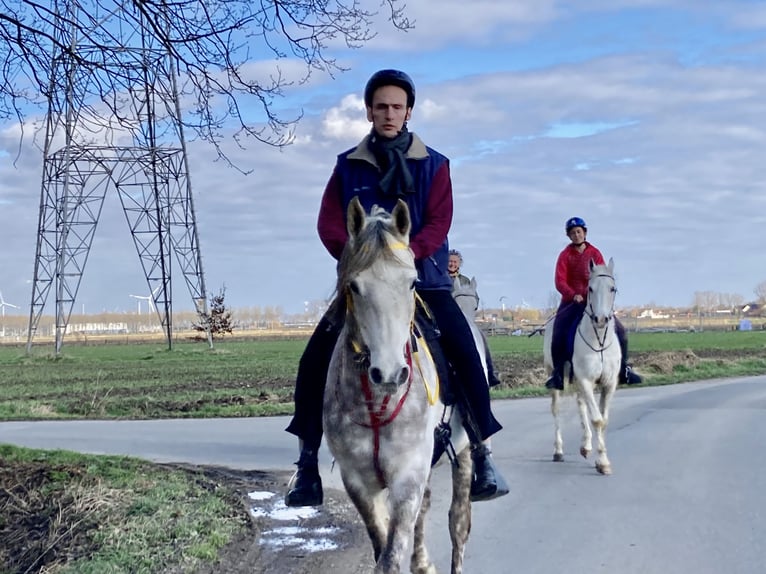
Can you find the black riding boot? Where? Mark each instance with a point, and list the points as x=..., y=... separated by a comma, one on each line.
x=487, y=482
x=491, y=376
x=556, y=380
x=305, y=488
x=628, y=376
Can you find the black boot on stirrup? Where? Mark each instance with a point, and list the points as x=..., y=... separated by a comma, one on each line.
x=305, y=487
x=487, y=482
x=629, y=377
x=556, y=381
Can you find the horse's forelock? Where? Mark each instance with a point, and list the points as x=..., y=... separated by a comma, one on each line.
x=373, y=242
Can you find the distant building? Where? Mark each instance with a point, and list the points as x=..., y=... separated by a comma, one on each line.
x=752, y=310
x=651, y=314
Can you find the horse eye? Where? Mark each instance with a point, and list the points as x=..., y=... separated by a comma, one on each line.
x=412, y=285
x=354, y=287
x=590, y=289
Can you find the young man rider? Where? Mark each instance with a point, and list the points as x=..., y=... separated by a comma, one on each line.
x=392, y=163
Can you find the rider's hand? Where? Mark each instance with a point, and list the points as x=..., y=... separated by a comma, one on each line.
x=578, y=298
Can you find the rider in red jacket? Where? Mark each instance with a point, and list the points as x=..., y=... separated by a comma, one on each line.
x=572, y=276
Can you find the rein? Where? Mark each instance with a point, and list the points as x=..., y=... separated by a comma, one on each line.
x=592, y=316
x=381, y=416
x=378, y=418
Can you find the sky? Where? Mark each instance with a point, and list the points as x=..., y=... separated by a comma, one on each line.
x=645, y=118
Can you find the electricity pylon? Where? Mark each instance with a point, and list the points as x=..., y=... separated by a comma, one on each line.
x=134, y=146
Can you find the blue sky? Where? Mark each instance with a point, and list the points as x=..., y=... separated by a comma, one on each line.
x=646, y=118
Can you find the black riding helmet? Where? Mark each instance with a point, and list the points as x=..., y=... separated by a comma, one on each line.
x=390, y=78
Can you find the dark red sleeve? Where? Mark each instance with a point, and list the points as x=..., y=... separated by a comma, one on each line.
x=562, y=277
x=438, y=216
x=331, y=223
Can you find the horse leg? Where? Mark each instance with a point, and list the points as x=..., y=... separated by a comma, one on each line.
x=587, y=435
x=420, y=562
x=460, y=508
x=602, y=464
x=558, y=443
x=369, y=507
x=405, y=498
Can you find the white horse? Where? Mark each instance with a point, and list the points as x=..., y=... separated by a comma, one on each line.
x=381, y=403
x=467, y=298
x=595, y=361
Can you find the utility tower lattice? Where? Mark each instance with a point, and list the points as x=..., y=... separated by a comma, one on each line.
x=136, y=148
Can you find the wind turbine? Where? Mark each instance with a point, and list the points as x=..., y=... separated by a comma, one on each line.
x=148, y=298
x=3, y=305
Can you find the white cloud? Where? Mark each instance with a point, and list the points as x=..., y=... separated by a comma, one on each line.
x=670, y=179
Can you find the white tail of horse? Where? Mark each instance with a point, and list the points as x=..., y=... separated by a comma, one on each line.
x=595, y=361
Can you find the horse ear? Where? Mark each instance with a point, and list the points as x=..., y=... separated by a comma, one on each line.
x=610, y=266
x=355, y=217
x=591, y=264
x=401, y=215
x=473, y=283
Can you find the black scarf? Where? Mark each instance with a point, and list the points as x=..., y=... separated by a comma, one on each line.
x=390, y=155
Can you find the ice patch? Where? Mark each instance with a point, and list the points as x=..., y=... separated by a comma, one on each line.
x=260, y=495
x=282, y=512
x=293, y=536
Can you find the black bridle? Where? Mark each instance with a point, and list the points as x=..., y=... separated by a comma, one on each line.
x=593, y=320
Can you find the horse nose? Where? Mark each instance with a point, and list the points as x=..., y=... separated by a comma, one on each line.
x=400, y=377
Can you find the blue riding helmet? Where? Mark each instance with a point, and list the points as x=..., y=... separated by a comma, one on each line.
x=575, y=222
x=389, y=78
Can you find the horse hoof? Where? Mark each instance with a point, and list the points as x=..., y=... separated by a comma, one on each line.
x=605, y=469
x=584, y=452
x=558, y=457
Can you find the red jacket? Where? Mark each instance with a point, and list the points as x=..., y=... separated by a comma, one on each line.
x=573, y=271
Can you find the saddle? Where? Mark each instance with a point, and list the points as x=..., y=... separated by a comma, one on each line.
x=429, y=334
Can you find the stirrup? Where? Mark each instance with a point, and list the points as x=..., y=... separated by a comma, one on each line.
x=305, y=488
x=493, y=484
x=555, y=382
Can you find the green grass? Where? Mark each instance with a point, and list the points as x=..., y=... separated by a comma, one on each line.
x=128, y=515
x=256, y=377
x=651, y=342
x=736, y=354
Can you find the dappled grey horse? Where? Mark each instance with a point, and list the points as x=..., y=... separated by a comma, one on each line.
x=595, y=362
x=382, y=403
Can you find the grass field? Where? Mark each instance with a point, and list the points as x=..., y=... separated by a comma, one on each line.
x=255, y=377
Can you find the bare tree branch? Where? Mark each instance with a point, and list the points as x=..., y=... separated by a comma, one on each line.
x=98, y=57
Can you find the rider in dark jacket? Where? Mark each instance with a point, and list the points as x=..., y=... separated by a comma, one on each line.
x=392, y=163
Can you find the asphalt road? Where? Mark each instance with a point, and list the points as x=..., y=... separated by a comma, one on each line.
x=687, y=494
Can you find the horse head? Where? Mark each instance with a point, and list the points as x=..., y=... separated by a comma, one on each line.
x=466, y=296
x=377, y=274
x=601, y=293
